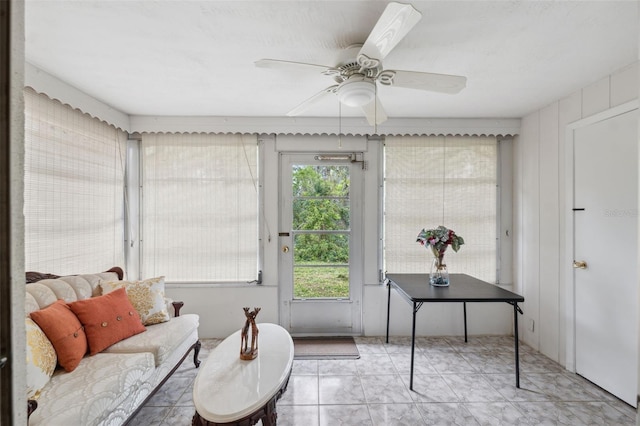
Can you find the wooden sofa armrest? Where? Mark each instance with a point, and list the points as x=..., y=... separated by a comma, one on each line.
x=33, y=277
x=118, y=270
x=32, y=404
x=176, y=307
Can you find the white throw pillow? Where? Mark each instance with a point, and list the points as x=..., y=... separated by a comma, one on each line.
x=146, y=296
x=41, y=359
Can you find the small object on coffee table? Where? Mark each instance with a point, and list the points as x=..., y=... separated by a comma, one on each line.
x=248, y=353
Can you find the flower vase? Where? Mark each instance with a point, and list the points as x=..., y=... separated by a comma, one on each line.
x=439, y=275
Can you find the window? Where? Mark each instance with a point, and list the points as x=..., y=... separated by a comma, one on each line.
x=200, y=207
x=73, y=189
x=450, y=181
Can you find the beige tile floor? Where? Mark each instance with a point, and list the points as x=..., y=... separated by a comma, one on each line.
x=454, y=384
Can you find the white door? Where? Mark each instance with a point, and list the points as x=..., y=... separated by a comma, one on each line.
x=605, y=234
x=320, y=259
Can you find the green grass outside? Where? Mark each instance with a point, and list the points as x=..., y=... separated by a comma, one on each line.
x=313, y=282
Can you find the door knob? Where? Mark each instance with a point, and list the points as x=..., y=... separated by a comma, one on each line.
x=285, y=249
x=579, y=264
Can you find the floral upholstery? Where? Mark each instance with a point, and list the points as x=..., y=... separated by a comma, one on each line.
x=41, y=359
x=86, y=395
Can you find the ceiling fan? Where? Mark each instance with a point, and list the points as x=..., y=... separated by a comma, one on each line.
x=357, y=78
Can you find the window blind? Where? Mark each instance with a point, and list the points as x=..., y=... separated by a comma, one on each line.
x=200, y=207
x=432, y=181
x=73, y=189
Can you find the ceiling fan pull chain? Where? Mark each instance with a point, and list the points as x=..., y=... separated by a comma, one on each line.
x=375, y=110
x=339, y=125
x=444, y=173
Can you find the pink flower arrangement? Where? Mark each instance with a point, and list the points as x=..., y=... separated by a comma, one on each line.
x=439, y=239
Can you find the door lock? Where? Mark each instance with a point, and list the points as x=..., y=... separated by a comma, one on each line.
x=285, y=249
x=579, y=264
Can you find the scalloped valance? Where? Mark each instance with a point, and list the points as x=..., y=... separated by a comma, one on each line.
x=328, y=126
x=54, y=88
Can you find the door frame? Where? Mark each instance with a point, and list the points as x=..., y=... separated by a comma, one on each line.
x=356, y=255
x=13, y=400
x=6, y=343
x=566, y=268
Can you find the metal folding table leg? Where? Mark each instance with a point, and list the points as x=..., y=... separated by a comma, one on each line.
x=464, y=308
x=516, y=310
x=388, y=308
x=416, y=308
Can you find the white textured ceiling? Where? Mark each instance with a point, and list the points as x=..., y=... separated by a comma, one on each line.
x=197, y=57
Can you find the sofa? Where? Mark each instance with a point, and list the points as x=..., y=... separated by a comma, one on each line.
x=92, y=375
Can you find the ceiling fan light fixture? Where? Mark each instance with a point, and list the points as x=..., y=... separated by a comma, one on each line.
x=357, y=93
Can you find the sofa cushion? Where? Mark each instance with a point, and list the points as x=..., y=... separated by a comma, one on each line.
x=160, y=339
x=88, y=281
x=64, y=291
x=87, y=395
x=30, y=303
x=146, y=296
x=68, y=288
x=107, y=319
x=41, y=294
x=41, y=359
x=64, y=331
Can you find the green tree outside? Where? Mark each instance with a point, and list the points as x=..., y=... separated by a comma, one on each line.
x=321, y=203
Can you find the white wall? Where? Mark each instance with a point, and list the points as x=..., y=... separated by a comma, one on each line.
x=540, y=205
x=220, y=308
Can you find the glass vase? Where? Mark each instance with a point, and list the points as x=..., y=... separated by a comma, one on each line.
x=439, y=275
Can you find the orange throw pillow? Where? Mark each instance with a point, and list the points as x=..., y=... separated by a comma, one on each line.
x=107, y=319
x=64, y=331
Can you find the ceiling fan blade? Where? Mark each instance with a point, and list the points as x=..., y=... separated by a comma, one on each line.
x=312, y=100
x=443, y=83
x=394, y=23
x=290, y=65
x=374, y=112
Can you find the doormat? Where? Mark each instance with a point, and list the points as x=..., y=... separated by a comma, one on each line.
x=325, y=348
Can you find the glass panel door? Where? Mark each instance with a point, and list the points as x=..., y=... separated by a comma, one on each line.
x=321, y=274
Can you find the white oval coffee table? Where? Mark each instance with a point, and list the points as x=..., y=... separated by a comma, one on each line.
x=230, y=391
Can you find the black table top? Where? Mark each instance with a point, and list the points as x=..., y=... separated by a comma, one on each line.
x=462, y=288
